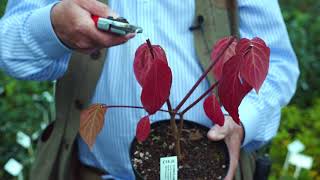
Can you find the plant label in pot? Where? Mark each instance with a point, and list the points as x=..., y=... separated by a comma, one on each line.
x=169, y=168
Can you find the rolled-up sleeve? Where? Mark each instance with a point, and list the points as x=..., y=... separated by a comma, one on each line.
x=29, y=47
x=260, y=113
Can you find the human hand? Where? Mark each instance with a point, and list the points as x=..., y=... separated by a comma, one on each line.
x=232, y=134
x=71, y=20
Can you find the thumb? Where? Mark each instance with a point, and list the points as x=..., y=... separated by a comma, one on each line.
x=216, y=133
x=98, y=8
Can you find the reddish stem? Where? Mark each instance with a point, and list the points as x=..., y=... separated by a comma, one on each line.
x=199, y=99
x=169, y=106
x=176, y=134
x=175, y=129
x=150, y=47
x=180, y=125
x=213, y=62
x=135, y=107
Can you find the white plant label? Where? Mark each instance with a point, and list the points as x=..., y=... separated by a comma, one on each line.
x=13, y=167
x=23, y=139
x=296, y=147
x=301, y=160
x=169, y=168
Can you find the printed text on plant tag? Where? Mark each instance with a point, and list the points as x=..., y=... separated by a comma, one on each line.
x=169, y=168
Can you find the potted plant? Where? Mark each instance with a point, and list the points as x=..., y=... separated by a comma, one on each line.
x=238, y=66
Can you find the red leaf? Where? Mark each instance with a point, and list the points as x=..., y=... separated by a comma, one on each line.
x=242, y=46
x=143, y=129
x=255, y=64
x=231, y=88
x=144, y=59
x=91, y=123
x=212, y=109
x=156, y=88
x=221, y=44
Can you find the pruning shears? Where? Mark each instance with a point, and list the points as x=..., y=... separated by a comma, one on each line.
x=118, y=26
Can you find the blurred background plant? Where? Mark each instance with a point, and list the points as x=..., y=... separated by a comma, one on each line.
x=28, y=106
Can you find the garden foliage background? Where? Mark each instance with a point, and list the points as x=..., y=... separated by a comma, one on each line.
x=27, y=106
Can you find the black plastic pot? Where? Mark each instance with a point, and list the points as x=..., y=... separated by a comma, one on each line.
x=134, y=142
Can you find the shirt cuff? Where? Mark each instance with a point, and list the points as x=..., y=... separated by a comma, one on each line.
x=41, y=30
x=248, y=113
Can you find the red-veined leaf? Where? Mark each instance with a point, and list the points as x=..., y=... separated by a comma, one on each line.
x=255, y=64
x=212, y=109
x=230, y=51
x=156, y=88
x=242, y=46
x=91, y=123
x=143, y=129
x=231, y=88
x=144, y=59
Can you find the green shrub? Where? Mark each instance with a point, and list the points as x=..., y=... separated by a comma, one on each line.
x=302, y=124
x=24, y=107
x=303, y=24
x=301, y=119
x=2, y=7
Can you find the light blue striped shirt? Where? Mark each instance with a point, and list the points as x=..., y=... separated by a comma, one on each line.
x=29, y=49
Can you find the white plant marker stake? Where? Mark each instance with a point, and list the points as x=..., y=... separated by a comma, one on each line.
x=23, y=139
x=293, y=148
x=300, y=161
x=296, y=158
x=13, y=167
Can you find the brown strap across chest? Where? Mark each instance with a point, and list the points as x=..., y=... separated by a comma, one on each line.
x=218, y=18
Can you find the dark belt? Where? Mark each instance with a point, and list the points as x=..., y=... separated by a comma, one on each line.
x=90, y=173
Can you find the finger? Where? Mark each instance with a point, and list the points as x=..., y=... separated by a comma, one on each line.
x=233, y=145
x=85, y=43
x=217, y=133
x=130, y=35
x=233, y=142
x=98, y=8
x=122, y=39
x=104, y=39
x=232, y=137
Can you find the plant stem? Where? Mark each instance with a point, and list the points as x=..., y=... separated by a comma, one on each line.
x=193, y=104
x=200, y=98
x=180, y=125
x=176, y=136
x=174, y=128
x=150, y=47
x=169, y=106
x=213, y=62
x=136, y=107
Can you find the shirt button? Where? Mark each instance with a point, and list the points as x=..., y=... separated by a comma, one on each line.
x=65, y=144
x=95, y=55
x=78, y=104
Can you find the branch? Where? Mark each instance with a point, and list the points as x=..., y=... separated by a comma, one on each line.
x=169, y=106
x=200, y=98
x=213, y=62
x=136, y=107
